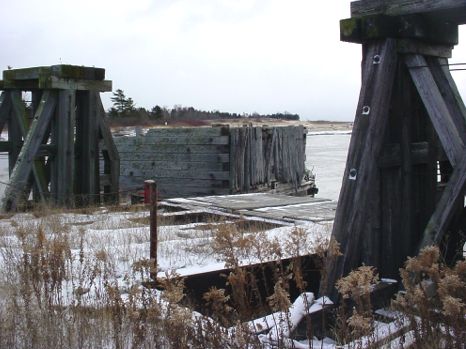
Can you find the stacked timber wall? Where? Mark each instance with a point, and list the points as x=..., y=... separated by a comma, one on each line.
x=213, y=161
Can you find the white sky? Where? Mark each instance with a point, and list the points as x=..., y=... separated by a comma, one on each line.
x=239, y=56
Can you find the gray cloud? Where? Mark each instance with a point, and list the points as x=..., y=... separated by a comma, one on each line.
x=234, y=55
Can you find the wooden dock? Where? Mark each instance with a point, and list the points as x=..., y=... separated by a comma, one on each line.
x=216, y=160
x=284, y=208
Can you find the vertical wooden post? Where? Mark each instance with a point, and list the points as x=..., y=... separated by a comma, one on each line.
x=150, y=198
x=14, y=136
x=87, y=148
x=353, y=222
x=36, y=96
x=63, y=135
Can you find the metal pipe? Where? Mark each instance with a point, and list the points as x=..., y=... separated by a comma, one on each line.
x=150, y=198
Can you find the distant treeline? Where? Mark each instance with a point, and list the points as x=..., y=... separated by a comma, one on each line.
x=124, y=111
x=190, y=113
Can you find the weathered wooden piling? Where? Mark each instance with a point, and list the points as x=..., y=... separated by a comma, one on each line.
x=54, y=152
x=405, y=178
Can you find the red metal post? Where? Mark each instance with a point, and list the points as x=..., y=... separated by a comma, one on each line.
x=150, y=197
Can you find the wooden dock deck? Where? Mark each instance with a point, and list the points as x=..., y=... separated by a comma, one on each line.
x=264, y=205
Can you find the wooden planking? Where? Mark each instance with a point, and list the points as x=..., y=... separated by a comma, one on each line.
x=259, y=200
x=157, y=173
x=179, y=187
x=436, y=107
x=350, y=227
x=175, y=139
x=167, y=191
x=187, y=132
x=449, y=10
x=315, y=212
x=137, y=181
x=147, y=164
x=173, y=148
x=175, y=157
x=451, y=199
x=160, y=157
x=24, y=164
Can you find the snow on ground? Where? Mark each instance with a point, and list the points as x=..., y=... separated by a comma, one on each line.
x=120, y=239
x=105, y=246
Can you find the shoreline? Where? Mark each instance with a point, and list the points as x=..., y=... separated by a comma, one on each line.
x=313, y=127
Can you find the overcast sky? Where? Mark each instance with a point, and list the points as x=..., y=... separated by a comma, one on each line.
x=239, y=56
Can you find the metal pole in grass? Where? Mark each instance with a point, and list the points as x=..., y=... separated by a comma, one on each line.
x=150, y=198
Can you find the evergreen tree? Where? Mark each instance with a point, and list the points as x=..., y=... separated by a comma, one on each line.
x=122, y=106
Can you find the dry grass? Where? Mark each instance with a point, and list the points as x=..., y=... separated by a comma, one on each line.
x=434, y=301
x=61, y=282
x=62, y=285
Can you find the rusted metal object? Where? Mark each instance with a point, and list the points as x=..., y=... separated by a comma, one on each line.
x=150, y=198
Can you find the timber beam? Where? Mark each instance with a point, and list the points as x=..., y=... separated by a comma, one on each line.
x=453, y=11
x=67, y=77
x=364, y=29
x=62, y=71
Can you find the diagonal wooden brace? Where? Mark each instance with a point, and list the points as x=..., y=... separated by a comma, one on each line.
x=38, y=168
x=436, y=107
x=15, y=192
x=452, y=196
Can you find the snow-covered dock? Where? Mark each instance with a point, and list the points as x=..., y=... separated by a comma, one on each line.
x=294, y=209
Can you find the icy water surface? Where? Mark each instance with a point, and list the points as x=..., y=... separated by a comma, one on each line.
x=326, y=157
